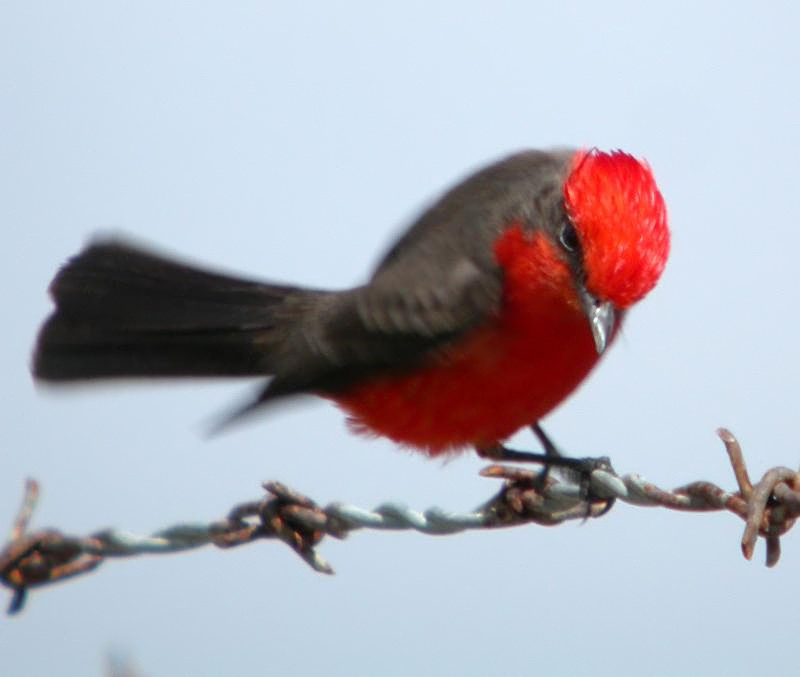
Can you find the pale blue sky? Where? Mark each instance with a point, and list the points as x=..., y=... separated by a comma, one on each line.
x=290, y=141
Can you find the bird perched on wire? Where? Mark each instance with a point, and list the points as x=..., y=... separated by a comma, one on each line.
x=483, y=317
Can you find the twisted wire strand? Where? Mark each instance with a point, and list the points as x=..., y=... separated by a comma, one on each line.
x=769, y=509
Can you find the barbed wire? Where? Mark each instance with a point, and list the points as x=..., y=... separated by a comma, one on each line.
x=768, y=508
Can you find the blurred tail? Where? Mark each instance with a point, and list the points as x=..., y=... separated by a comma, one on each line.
x=121, y=312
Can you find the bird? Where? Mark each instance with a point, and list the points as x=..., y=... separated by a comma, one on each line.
x=483, y=317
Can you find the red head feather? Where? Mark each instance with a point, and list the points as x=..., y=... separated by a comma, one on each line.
x=621, y=221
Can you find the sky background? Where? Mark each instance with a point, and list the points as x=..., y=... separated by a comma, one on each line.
x=292, y=141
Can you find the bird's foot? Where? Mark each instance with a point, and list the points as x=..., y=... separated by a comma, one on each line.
x=576, y=470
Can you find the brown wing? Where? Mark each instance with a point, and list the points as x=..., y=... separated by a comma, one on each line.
x=438, y=282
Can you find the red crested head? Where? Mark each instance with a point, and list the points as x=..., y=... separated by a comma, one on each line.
x=621, y=222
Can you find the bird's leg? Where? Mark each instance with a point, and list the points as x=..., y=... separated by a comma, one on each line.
x=551, y=457
x=550, y=447
x=550, y=450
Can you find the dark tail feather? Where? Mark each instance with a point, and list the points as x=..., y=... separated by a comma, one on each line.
x=121, y=311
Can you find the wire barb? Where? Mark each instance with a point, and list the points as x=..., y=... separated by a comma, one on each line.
x=769, y=509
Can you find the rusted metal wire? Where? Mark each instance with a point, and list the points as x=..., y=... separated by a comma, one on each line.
x=769, y=509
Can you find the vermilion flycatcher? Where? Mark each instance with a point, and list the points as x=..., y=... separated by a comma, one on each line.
x=483, y=317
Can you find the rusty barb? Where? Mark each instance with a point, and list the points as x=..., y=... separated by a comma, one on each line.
x=769, y=509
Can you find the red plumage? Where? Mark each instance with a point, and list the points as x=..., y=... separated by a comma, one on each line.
x=538, y=349
x=483, y=317
x=499, y=379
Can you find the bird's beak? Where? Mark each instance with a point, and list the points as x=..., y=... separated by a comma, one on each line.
x=601, y=316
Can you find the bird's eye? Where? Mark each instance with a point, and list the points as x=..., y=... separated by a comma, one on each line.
x=568, y=237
